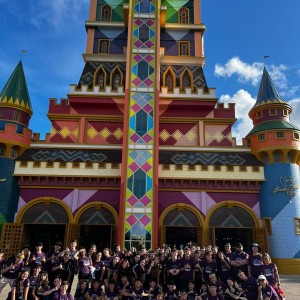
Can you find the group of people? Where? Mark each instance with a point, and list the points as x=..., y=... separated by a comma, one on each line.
x=193, y=273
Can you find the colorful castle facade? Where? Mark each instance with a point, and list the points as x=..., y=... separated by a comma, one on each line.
x=141, y=152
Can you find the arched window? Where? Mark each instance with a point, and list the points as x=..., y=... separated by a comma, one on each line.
x=186, y=80
x=106, y=13
x=13, y=153
x=265, y=158
x=116, y=79
x=169, y=82
x=184, y=16
x=169, y=79
x=100, y=77
x=2, y=150
x=277, y=156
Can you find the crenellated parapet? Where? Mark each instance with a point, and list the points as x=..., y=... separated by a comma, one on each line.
x=96, y=90
x=63, y=107
x=177, y=93
x=223, y=110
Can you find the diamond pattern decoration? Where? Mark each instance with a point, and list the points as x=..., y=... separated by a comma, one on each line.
x=145, y=220
x=145, y=200
x=64, y=132
x=164, y=135
x=131, y=220
x=105, y=133
x=118, y=133
x=177, y=135
x=92, y=132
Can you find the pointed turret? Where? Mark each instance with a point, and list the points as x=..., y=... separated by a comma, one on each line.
x=276, y=142
x=15, y=92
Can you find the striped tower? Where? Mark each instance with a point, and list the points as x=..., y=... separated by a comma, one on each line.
x=138, y=195
x=276, y=142
x=15, y=113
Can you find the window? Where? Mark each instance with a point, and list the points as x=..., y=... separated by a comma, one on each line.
x=36, y=164
x=49, y=164
x=115, y=166
x=184, y=48
x=217, y=168
x=261, y=136
x=255, y=169
x=101, y=165
x=62, y=164
x=266, y=222
x=297, y=225
x=279, y=135
x=106, y=13
x=248, y=142
x=103, y=46
x=229, y=168
x=178, y=167
x=23, y=164
x=204, y=167
x=277, y=156
x=243, y=168
x=184, y=16
x=272, y=112
x=265, y=158
x=116, y=79
x=75, y=164
x=186, y=80
x=89, y=165
x=169, y=82
x=13, y=153
x=192, y=167
x=166, y=167
x=2, y=151
x=296, y=136
x=17, y=116
x=285, y=113
x=259, y=114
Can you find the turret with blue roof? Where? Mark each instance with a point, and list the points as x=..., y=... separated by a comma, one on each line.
x=275, y=141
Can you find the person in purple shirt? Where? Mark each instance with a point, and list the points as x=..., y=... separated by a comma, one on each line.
x=20, y=287
x=265, y=291
x=186, y=264
x=95, y=292
x=239, y=261
x=11, y=270
x=38, y=257
x=208, y=266
x=248, y=285
x=62, y=293
x=112, y=293
x=254, y=261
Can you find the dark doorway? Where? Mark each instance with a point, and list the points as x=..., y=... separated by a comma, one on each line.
x=48, y=234
x=180, y=236
x=233, y=236
x=100, y=235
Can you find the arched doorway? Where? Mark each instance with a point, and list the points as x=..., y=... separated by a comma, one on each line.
x=44, y=221
x=180, y=226
x=234, y=224
x=96, y=225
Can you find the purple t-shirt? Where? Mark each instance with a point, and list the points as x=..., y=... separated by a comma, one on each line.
x=188, y=265
x=57, y=296
x=268, y=291
x=255, y=263
x=95, y=293
x=208, y=268
x=270, y=272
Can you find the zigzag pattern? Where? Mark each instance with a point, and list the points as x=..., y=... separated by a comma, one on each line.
x=208, y=159
x=68, y=155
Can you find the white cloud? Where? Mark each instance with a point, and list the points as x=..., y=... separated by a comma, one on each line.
x=251, y=73
x=55, y=12
x=243, y=103
x=295, y=104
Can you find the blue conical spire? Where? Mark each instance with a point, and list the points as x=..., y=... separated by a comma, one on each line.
x=267, y=93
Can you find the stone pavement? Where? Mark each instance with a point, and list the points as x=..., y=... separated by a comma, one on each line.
x=290, y=284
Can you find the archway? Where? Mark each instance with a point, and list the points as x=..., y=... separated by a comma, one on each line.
x=234, y=223
x=180, y=225
x=44, y=220
x=96, y=225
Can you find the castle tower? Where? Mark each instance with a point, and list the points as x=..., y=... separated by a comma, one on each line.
x=276, y=142
x=15, y=113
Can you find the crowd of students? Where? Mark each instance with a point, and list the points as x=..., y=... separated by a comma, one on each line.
x=193, y=273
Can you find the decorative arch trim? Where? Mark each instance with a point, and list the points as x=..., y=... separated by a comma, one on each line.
x=99, y=70
x=169, y=70
x=96, y=205
x=46, y=200
x=181, y=206
x=113, y=74
x=232, y=204
x=186, y=70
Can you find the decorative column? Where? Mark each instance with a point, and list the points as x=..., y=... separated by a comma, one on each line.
x=137, y=207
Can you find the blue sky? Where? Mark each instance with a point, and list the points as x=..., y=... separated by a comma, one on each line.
x=239, y=33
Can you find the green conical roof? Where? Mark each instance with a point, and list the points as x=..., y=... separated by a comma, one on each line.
x=267, y=93
x=15, y=92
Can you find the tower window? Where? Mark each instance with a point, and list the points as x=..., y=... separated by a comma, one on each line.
x=285, y=113
x=13, y=153
x=17, y=116
x=296, y=136
x=106, y=13
x=272, y=112
x=279, y=135
x=2, y=151
x=116, y=81
x=103, y=46
x=261, y=137
x=184, y=16
x=184, y=48
x=259, y=114
x=277, y=157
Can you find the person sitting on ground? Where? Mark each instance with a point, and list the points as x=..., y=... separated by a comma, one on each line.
x=265, y=291
x=171, y=292
x=232, y=291
x=112, y=293
x=248, y=285
x=213, y=294
x=41, y=286
x=219, y=284
x=81, y=292
x=95, y=292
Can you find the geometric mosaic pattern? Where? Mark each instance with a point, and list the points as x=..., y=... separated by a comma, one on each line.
x=207, y=158
x=139, y=181
x=173, y=7
x=218, y=135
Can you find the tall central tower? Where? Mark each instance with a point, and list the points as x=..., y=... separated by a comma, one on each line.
x=138, y=193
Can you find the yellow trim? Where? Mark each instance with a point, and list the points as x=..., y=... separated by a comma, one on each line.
x=229, y=203
x=288, y=265
x=179, y=206
x=96, y=205
x=44, y=200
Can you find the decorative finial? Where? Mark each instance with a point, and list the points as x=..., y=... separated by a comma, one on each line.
x=23, y=51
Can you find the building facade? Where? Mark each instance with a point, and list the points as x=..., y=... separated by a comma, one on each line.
x=142, y=152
